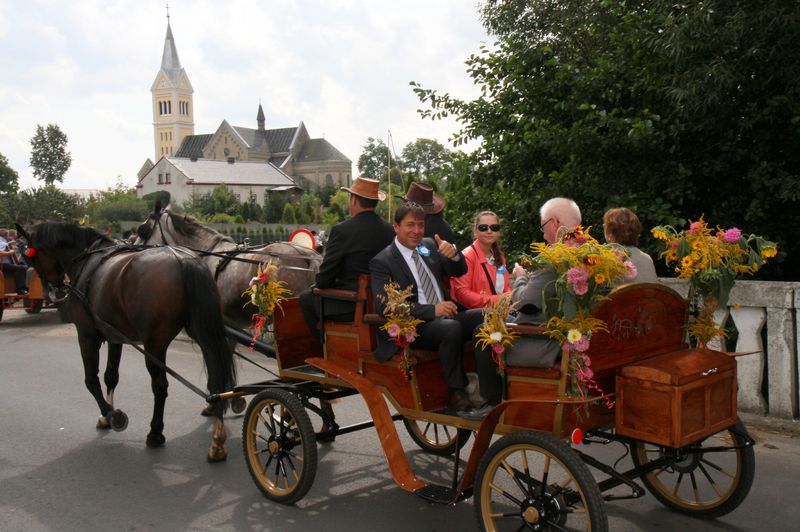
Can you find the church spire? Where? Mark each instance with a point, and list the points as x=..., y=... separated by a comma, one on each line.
x=169, y=59
x=260, y=118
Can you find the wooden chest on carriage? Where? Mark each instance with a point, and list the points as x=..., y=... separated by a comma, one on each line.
x=677, y=398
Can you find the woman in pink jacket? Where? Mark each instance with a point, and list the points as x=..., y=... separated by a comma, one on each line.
x=487, y=275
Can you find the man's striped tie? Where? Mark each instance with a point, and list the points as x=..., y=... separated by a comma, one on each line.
x=425, y=279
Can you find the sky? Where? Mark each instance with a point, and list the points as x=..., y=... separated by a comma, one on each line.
x=342, y=67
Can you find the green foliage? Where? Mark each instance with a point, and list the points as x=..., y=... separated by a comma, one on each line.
x=221, y=218
x=672, y=110
x=40, y=204
x=374, y=160
x=289, y=215
x=116, y=204
x=340, y=205
x=8, y=177
x=50, y=159
x=427, y=160
x=273, y=207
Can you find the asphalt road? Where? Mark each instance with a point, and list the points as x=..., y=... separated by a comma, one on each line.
x=57, y=472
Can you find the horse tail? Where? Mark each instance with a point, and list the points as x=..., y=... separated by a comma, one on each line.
x=204, y=324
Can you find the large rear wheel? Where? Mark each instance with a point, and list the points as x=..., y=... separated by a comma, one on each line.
x=708, y=483
x=280, y=446
x=435, y=438
x=532, y=481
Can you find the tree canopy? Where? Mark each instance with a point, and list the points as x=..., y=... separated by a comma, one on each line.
x=9, y=178
x=50, y=159
x=673, y=110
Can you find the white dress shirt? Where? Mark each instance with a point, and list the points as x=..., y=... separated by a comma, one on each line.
x=406, y=253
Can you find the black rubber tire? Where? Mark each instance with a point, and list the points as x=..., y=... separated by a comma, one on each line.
x=661, y=483
x=569, y=485
x=434, y=438
x=33, y=306
x=277, y=431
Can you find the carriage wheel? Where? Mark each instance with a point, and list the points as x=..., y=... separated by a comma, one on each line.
x=435, y=438
x=33, y=306
x=702, y=484
x=532, y=481
x=280, y=447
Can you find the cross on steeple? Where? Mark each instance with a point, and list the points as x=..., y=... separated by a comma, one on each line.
x=167, y=13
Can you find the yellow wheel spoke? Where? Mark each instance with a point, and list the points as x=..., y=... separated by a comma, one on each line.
x=677, y=484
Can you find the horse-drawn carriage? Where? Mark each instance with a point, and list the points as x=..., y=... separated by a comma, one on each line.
x=32, y=302
x=675, y=411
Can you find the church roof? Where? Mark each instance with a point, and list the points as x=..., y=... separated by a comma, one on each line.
x=209, y=172
x=170, y=63
x=278, y=140
x=320, y=150
x=192, y=146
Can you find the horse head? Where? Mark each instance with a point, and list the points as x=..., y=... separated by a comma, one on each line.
x=53, y=248
x=148, y=232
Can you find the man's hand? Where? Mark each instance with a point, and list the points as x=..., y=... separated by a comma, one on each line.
x=518, y=271
x=446, y=309
x=446, y=249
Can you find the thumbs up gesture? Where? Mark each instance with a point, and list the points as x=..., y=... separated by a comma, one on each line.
x=446, y=249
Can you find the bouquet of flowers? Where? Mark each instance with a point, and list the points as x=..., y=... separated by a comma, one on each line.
x=400, y=324
x=265, y=293
x=494, y=333
x=711, y=260
x=585, y=271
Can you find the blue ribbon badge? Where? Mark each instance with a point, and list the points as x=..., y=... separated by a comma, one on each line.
x=501, y=269
x=422, y=250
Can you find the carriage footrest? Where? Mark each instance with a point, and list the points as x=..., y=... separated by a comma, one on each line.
x=437, y=494
x=307, y=368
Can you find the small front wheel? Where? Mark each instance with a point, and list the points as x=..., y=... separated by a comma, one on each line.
x=280, y=446
x=33, y=306
x=435, y=438
x=532, y=481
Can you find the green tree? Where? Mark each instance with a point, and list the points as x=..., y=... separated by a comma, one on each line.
x=673, y=110
x=50, y=159
x=8, y=177
x=289, y=215
x=374, y=161
x=427, y=160
x=116, y=204
x=273, y=207
x=40, y=204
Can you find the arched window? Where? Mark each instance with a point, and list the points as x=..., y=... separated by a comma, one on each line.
x=329, y=180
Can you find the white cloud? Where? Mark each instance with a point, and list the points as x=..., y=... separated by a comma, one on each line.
x=341, y=66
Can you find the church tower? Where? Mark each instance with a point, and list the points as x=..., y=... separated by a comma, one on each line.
x=173, y=109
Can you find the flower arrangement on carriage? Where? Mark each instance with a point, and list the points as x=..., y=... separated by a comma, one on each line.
x=265, y=293
x=585, y=270
x=494, y=333
x=400, y=325
x=711, y=259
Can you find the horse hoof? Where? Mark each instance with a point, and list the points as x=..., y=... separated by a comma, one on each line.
x=102, y=423
x=238, y=404
x=208, y=411
x=155, y=440
x=218, y=455
x=118, y=420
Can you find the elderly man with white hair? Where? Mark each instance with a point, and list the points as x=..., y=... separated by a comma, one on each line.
x=557, y=217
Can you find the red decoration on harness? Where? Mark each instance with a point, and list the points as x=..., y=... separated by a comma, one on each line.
x=30, y=252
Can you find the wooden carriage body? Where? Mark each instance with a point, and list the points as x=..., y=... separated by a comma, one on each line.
x=645, y=322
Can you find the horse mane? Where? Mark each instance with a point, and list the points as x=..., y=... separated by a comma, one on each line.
x=190, y=227
x=56, y=235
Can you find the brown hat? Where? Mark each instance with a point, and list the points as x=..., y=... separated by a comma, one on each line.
x=422, y=193
x=366, y=188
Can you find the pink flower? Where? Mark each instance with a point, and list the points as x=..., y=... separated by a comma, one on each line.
x=393, y=330
x=411, y=336
x=585, y=374
x=694, y=227
x=581, y=345
x=733, y=235
x=630, y=270
x=577, y=275
x=580, y=288
x=499, y=349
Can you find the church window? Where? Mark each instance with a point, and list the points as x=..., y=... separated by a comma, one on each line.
x=167, y=180
x=170, y=135
x=169, y=108
x=160, y=179
x=329, y=180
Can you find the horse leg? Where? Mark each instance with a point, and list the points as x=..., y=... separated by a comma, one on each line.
x=111, y=379
x=217, y=451
x=159, y=384
x=90, y=354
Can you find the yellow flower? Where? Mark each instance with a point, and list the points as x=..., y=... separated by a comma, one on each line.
x=573, y=335
x=686, y=262
x=697, y=245
x=672, y=255
x=593, y=259
x=660, y=235
x=768, y=253
x=599, y=278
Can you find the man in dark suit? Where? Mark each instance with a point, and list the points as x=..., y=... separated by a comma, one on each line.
x=350, y=247
x=421, y=262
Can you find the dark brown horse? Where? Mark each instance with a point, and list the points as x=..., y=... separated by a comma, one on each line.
x=232, y=268
x=122, y=295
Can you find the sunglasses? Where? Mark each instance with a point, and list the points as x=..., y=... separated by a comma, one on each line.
x=485, y=227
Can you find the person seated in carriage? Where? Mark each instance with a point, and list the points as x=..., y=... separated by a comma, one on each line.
x=421, y=263
x=10, y=262
x=557, y=216
x=350, y=247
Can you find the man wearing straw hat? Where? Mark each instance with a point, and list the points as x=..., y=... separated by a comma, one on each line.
x=433, y=205
x=350, y=247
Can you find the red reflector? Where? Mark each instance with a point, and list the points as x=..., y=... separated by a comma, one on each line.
x=577, y=436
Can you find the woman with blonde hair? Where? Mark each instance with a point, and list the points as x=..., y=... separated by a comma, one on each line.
x=487, y=274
